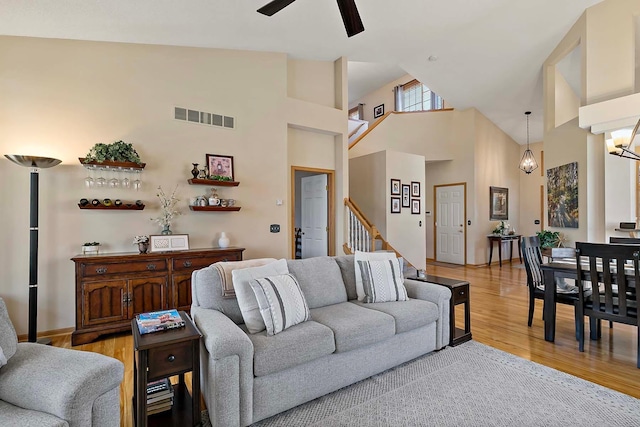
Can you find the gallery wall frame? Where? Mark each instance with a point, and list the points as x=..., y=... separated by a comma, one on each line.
x=498, y=203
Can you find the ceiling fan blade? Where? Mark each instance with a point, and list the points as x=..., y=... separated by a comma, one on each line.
x=274, y=6
x=350, y=17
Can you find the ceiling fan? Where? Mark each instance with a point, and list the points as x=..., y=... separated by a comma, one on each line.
x=348, y=10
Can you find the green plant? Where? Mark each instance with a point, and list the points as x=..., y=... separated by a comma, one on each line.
x=549, y=239
x=220, y=178
x=118, y=151
x=91, y=244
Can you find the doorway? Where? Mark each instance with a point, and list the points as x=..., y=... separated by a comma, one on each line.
x=450, y=223
x=312, y=212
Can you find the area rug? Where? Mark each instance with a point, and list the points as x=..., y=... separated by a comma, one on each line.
x=468, y=385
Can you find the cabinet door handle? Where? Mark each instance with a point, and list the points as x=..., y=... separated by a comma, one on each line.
x=187, y=263
x=151, y=266
x=171, y=358
x=101, y=270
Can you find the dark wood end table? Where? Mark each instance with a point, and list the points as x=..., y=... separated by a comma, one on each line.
x=459, y=295
x=160, y=355
x=500, y=238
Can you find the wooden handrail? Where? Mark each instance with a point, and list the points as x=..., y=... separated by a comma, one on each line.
x=355, y=130
x=358, y=213
x=387, y=114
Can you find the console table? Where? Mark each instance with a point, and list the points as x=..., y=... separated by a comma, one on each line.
x=112, y=288
x=499, y=239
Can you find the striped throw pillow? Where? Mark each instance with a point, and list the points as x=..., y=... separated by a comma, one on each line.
x=382, y=281
x=281, y=301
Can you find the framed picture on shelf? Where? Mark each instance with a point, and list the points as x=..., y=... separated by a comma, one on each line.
x=395, y=187
x=168, y=242
x=406, y=190
x=378, y=111
x=415, y=206
x=415, y=189
x=498, y=203
x=395, y=205
x=220, y=165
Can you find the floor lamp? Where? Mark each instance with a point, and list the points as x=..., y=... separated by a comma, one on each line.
x=34, y=163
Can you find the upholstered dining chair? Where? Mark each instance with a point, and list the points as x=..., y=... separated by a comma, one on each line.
x=614, y=296
x=532, y=256
x=625, y=240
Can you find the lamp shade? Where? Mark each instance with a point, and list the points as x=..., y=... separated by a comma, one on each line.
x=33, y=161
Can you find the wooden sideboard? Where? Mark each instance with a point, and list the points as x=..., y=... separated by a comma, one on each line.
x=112, y=288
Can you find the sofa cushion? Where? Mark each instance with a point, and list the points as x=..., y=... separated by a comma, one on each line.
x=14, y=416
x=282, y=304
x=320, y=280
x=408, y=315
x=367, y=256
x=382, y=281
x=298, y=344
x=247, y=297
x=348, y=271
x=8, y=337
x=353, y=326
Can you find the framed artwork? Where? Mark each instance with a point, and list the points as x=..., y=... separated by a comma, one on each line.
x=406, y=190
x=378, y=111
x=415, y=206
x=168, y=242
x=562, y=196
x=395, y=205
x=415, y=189
x=395, y=187
x=498, y=203
x=220, y=166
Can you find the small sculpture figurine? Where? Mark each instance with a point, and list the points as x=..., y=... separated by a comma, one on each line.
x=195, y=170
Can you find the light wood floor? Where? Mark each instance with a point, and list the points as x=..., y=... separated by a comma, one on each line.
x=499, y=304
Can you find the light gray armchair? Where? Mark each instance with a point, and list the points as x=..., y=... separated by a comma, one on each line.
x=48, y=386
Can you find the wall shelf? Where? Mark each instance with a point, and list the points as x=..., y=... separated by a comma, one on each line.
x=215, y=208
x=123, y=207
x=198, y=181
x=110, y=164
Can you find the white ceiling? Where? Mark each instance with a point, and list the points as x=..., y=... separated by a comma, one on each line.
x=490, y=52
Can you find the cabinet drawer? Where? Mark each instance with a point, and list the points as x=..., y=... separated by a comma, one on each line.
x=170, y=360
x=460, y=294
x=105, y=268
x=193, y=263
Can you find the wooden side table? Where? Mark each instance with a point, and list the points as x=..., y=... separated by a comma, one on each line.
x=160, y=355
x=508, y=238
x=459, y=295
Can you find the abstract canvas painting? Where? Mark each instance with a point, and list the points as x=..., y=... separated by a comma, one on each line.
x=562, y=196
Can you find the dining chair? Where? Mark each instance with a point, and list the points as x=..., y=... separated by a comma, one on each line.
x=625, y=240
x=613, y=285
x=532, y=256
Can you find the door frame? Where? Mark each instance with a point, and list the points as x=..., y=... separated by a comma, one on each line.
x=435, y=218
x=330, y=207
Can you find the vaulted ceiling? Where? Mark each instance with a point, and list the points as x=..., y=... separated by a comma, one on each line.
x=489, y=52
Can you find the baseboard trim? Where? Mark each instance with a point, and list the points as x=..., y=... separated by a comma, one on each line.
x=54, y=332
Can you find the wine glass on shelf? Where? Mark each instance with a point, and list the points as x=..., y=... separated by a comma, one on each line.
x=137, y=183
x=100, y=180
x=89, y=181
x=114, y=182
x=125, y=182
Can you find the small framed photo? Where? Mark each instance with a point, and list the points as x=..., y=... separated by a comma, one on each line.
x=395, y=187
x=395, y=205
x=378, y=111
x=415, y=189
x=220, y=165
x=498, y=203
x=168, y=242
x=415, y=206
x=406, y=189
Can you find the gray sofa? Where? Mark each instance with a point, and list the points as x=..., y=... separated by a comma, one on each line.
x=248, y=377
x=47, y=386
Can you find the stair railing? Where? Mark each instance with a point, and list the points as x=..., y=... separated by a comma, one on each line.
x=361, y=234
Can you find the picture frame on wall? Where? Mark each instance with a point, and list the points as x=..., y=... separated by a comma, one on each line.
x=378, y=111
x=395, y=187
x=220, y=166
x=498, y=203
x=395, y=205
x=406, y=191
x=415, y=189
x=415, y=206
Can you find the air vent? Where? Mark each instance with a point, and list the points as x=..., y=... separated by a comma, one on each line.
x=204, y=118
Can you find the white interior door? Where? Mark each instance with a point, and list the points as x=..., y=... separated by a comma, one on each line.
x=450, y=231
x=314, y=208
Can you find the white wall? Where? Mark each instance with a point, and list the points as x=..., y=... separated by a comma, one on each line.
x=367, y=184
x=66, y=96
x=530, y=195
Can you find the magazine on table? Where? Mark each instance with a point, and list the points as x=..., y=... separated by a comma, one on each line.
x=159, y=321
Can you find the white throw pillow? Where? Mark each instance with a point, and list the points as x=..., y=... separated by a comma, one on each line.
x=382, y=281
x=368, y=256
x=245, y=295
x=282, y=303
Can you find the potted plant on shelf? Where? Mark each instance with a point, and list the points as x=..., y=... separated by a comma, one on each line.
x=142, y=242
x=118, y=151
x=168, y=209
x=550, y=239
x=90, y=248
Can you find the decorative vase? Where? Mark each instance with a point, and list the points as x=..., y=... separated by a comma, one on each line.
x=223, y=241
x=143, y=247
x=195, y=170
x=166, y=230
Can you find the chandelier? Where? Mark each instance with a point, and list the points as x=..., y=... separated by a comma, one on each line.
x=528, y=162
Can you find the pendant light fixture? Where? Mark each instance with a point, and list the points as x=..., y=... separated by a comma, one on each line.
x=528, y=163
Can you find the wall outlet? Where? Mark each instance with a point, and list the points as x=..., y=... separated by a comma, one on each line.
x=275, y=228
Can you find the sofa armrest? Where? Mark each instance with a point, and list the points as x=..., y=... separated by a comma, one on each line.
x=221, y=336
x=62, y=382
x=439, y=295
